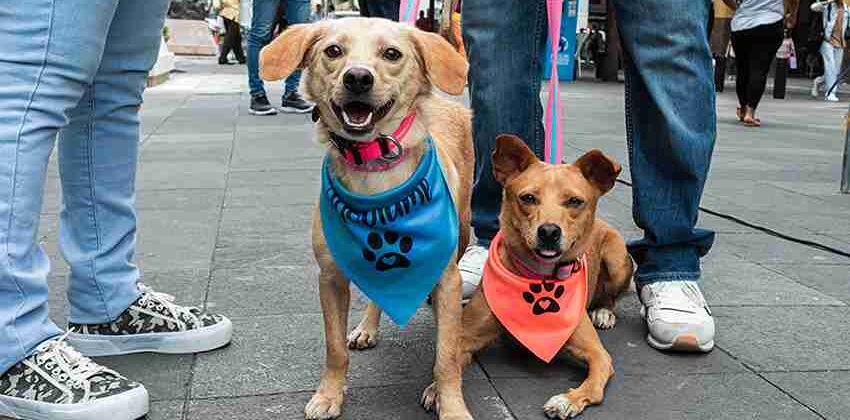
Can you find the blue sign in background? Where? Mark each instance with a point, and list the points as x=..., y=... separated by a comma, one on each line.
x=566, y=45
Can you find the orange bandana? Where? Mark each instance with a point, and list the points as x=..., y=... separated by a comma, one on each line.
x=540, y=314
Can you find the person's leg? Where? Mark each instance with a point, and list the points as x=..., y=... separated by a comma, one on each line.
x=227, y=43
x=297, y=11
x=831, y=68
x=387, y=9
x=43, y=73
x=262, y=20
x=671, y=125
x=98, y=152
x=766, y=42
x=111, y=313
x=505, y=46
x=237, y=41
x=741, y=45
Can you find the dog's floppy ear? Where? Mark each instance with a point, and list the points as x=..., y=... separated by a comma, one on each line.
x=511, y=157
x=445, y=67
x=288, y=51
x=600, y=169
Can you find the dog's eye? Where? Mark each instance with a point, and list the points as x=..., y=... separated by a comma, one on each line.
x=392, y=54
x=333, y=51
x=574, y=202
x=527, y=199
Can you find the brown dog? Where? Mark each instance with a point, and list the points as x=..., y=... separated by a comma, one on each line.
x=549, y=214
x=366, y=76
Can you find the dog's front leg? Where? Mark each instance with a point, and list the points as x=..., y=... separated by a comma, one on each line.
x=585, y=346
x=447, y=366
x=334, y=294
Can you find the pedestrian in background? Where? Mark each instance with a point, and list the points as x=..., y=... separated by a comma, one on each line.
x=72, y=75
x=757, y=33
x=229, y=11
x=264, y=17
x=836, y=31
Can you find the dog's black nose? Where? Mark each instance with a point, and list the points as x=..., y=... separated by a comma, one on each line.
x=358, y=80
x=549, y=233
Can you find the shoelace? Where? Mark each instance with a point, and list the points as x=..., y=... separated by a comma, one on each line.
x=679, y=296
x=79, y=369
x=164, y=301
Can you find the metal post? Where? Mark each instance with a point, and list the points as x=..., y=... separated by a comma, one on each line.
x=845, y=171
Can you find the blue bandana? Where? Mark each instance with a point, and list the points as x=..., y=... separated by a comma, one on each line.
x=396, y=245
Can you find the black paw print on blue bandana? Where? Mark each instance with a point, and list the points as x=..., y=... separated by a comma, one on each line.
x=387, y=259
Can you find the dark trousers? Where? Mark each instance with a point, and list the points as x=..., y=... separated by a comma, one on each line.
x=232, y=41
x=754, y=51
x=387, y=9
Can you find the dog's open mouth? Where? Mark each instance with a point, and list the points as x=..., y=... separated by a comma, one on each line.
x=547, y=254
x=359, y=117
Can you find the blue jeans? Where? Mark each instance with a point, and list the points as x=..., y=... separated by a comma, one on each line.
x=262, y=23
x=387, y=9
x=90, y=97
x=670, y=116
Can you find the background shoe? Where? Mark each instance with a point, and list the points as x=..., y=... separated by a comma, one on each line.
x=472, y=268
x=58, y=383
x=816, y=82
x=294, y=103
x=260, y=105
x=832, y=98
x=153, y=323
x=677, y=316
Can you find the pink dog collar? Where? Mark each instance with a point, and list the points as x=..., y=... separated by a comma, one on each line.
x=381, y=153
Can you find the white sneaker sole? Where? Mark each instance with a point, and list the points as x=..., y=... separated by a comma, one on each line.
x=129, y=405
x=192, y=341
x=270, y=111
x=291, y=110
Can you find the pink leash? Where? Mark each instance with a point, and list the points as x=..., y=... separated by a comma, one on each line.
x=407, y=11
x=553, y=104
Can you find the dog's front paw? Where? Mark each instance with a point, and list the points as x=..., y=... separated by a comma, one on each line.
x=430, y=400
x=561, y=407
x=603, y=318
x=322, y=407
x=362, y=338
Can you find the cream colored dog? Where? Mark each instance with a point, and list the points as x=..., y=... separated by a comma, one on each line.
x=366, y=76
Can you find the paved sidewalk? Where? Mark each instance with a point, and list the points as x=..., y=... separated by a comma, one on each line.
x=224, y=204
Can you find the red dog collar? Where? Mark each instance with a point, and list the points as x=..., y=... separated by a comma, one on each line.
x=381, y=153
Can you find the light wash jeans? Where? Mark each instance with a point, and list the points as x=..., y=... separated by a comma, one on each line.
x=262, y=20
x=75, y=68
x=832, y=59
x=670, y=116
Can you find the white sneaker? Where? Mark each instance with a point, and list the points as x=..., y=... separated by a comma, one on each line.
x=472, y=268
x=816, y=82
x=677, y=316
x=832, y=98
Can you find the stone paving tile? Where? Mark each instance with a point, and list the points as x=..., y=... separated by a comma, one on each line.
x=668, y=395
x=824, y=392
x=285, y=353
x=766, y=249
x=267, y=222
x=175, y=175
x=198, y=199
x=391, y=402
x=736, y=282
x=785, y=338
x=286, y=249
x=166, y=410
x=165, y=376
x=173, y=239
x=261, y=179
x=833, y=280
x=273, y=196
x=265, y=290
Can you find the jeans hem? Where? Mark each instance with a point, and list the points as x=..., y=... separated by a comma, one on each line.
x=644, y=279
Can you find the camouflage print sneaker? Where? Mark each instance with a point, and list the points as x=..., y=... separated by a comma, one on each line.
x=153, y=323
x=57, y=383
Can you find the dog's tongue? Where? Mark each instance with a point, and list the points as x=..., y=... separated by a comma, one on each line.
x=357, y=113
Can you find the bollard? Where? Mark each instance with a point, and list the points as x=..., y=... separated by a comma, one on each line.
x=779, y=78
x=845, y=170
